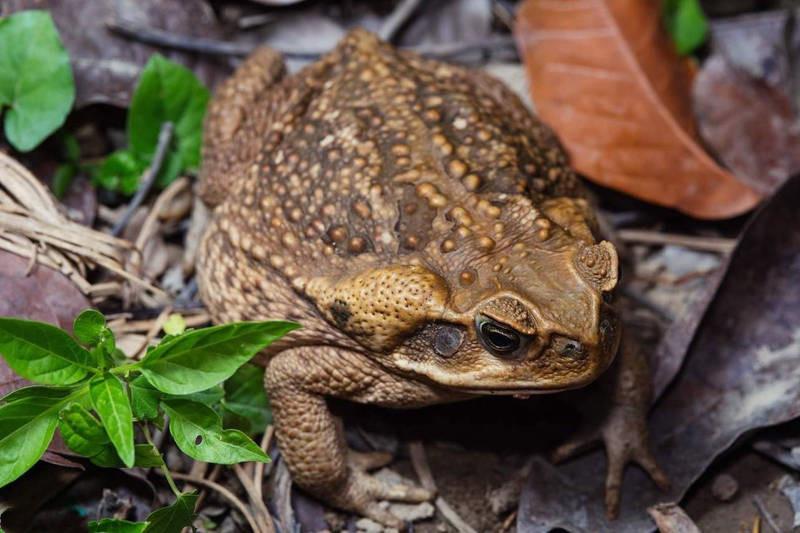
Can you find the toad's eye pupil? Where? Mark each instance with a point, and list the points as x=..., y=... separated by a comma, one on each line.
x=499, y=338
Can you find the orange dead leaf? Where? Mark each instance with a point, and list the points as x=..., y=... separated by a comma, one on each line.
x=605, y=76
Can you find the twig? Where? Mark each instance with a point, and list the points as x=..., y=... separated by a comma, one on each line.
x=225, y=493
x=452, y=50
x=397, y=18
x=509, y=521
x=423, y=470
x=149, y=178
x=707, y=244
x=258, y=472
x=503, y=14
x=777, y=453
x=644, y=301
x=768, y=518
x=264, y=519
x=215, y=472
x=165, y=39
x=155, y=327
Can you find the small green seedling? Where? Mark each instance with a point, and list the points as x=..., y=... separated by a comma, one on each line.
x=96, y=396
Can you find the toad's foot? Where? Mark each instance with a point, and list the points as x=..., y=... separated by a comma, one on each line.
x=625, y=441
x=619, y=420
x=363, y=494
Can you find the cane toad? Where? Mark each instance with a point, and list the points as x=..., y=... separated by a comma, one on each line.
x=426, y=231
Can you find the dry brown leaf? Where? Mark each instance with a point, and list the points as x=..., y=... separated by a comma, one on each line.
x=605, y=76
x=672, y=519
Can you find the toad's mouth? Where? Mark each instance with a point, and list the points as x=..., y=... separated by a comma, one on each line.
x=523, y=391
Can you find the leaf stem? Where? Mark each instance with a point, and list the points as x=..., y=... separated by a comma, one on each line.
x=170, y=481
x=125, y=369
x=149, y=178
x=164, y=469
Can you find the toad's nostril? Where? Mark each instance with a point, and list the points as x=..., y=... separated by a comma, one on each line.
x=571, y=348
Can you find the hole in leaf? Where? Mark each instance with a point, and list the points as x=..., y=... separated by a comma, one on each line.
x=198, y=440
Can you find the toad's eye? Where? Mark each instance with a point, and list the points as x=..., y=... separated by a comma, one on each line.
x=497, y=337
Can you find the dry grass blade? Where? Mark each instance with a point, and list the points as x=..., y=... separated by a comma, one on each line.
x=706, y=244
x=420, y=462
x=262, y=514
x=225, y=493
x=258, y=471
x=32, y=226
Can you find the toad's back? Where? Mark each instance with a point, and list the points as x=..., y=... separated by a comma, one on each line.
x=371, y=155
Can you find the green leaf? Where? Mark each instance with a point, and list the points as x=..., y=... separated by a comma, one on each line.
x=174, y=325
x=246, y=398
x=145, y=456
x=687, y=24
x=167, y=92
x=111, y=403
x=175, y=517
x=198, y=432
x=89, y=326
x=37, y=391
x=202, y=358
x=120, y=172
x=27, y=424
x=43, y=353
x=82, y=432
x=111, y=525
x=62, y=179
x=144, y=398
x=208, y=397
x=35, y=78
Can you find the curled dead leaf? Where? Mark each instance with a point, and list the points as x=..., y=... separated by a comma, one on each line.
x=743, y=100
x=605, y=76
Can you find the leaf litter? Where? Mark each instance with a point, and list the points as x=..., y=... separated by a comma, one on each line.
x=475, y=26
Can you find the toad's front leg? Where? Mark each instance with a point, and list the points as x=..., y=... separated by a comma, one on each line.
x=311, y=438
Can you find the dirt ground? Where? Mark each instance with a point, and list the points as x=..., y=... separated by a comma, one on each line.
x=476, y=447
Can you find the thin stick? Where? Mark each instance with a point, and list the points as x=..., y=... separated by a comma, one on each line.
x=258, y=473
x=225, y=493
x=423, y=470
x=452, y=50
x=155, y=327
x=211, y=477
x=509, y=521
x=768, y=518
x=157, y=37
x=707, y=244
x=397, y=18
x=265, y=520
x=149, y=178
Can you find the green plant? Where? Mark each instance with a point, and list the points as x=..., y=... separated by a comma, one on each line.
x=98, y=398
x=36, y=82
x=69, y=168
x=166, y=92
x=687, y=24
